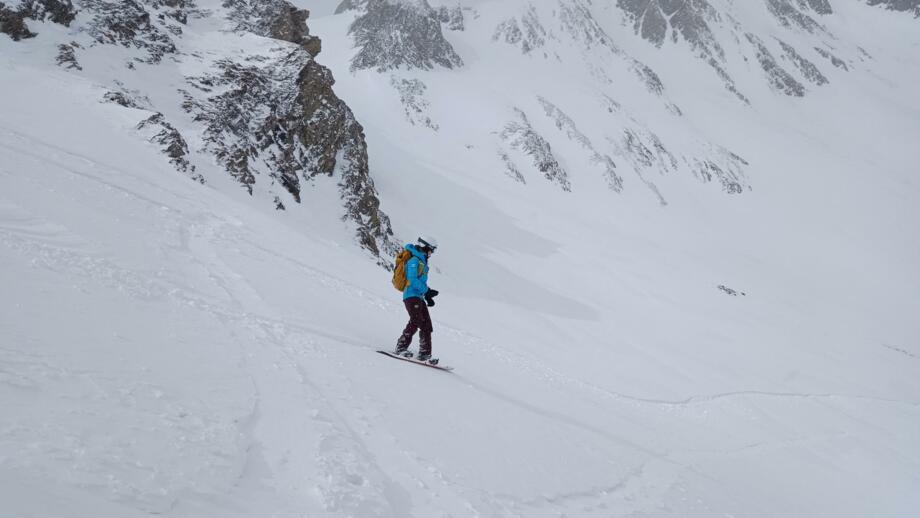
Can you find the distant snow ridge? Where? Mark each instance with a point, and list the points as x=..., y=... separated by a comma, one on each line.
x=697, y=21
x=527, y=32
x=654, y=19
x=392, y=34
x=575, y=22
x=641, y=148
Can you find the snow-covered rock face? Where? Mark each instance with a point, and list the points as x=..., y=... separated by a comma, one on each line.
x=12, y=23
x=554, y=48
x=268, y=115
x=714, y=32
x=274, y=19
x=777, y=47
x=899, y=5
x=14, y=13
x=520, y=136
x=129, y=24
x=655, y=19
x=397, y=33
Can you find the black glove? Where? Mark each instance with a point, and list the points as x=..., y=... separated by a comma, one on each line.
x=429, y=297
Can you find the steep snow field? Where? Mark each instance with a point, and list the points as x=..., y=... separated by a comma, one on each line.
x=176, y=349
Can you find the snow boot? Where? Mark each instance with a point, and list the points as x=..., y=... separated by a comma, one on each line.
x=426, y=357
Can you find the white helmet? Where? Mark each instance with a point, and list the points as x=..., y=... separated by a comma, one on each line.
x=427, y=242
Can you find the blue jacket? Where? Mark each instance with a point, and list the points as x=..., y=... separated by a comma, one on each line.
x=417, y=283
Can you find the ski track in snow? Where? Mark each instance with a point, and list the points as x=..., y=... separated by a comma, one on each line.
x=339, y=452
x=547, y=373
x=62, y=259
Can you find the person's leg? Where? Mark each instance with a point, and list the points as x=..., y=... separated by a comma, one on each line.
x=425, y=329
x=405, y=340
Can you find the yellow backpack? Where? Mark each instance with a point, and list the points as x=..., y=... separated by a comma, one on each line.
x=399, y=273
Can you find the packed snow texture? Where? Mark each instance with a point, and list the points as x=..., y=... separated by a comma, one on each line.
x=729, y=331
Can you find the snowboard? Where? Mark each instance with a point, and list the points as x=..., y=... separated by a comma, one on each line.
x=391, y=354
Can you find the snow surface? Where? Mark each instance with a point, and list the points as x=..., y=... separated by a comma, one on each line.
x=176, y=349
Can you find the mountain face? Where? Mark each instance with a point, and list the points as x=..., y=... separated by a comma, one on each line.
x=758, y=52
x=562, y=39
x=269, y=118
x=393, y=34
x=272, y=120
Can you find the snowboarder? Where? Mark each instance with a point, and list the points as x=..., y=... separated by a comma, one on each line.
x=412, y=272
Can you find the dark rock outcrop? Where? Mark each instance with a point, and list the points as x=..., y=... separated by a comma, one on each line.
x=818, y=6
x=528, y=32
x=511, y=168
x=837, y=62
x=912, y=6
x=724, y=167
x=412, y=95
x=12, y=23
x=393, y=34
x=270, y=116
x=276, y=19
x=576, y=23
x=452, y=17
x=690, y=20
x=806, y=67
x=128, y=98
x=67, y=56
x=128, y=23
x=567, y=125
x=653, y=19
x=279, y=119
x=350, y=5
x=520, y=135
x=173, y=145
x=57, y=11
x=794, y=13
x=779, y=79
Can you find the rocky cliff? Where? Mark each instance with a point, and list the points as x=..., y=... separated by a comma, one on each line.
x=267, y=114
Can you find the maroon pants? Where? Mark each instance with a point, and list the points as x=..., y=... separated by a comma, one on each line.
x=419, y=320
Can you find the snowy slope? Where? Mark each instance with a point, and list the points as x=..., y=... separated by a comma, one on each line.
x=180, y=349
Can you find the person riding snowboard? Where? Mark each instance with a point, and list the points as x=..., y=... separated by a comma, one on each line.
x=412, y=271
